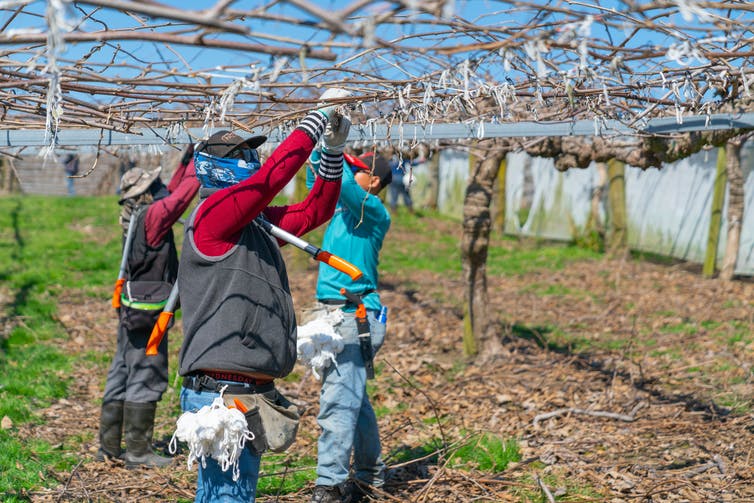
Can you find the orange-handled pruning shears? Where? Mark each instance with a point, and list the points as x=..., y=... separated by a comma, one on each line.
x=362, y=327
x=328, y=258
x=159, y=329
x=123, y=263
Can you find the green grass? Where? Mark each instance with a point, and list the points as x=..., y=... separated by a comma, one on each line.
x=43, y=253
x=280, y=475
x=553, y=290
x=486, y=452
x=516, y=259
x=436, y=250
x=483, y=451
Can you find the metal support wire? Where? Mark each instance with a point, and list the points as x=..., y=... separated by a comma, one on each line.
x=408, y=132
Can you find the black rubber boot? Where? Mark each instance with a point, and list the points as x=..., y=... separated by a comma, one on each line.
x=138, y=421
x=110, y=430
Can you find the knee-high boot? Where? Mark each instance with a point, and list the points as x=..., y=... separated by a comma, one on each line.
x=110, y=430
x=138, y=421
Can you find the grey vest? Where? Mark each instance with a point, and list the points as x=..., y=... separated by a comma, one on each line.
x=237, y=308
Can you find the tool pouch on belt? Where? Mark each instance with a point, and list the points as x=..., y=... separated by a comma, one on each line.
x=142, y=303
x=271, y=418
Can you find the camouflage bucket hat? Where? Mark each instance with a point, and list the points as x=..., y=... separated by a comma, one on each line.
x=136, y=181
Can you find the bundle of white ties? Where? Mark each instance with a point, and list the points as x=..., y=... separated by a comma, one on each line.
x=214, y=430
x=318, y=342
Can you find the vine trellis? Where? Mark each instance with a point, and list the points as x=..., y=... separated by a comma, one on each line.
x=123, y=65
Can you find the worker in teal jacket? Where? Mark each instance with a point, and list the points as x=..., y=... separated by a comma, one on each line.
x=355, y=233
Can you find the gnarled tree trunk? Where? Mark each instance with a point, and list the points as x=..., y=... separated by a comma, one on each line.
x=735, y=207
x=479, y=333
x=433, y=189
x=617, y=235
x=8, y=177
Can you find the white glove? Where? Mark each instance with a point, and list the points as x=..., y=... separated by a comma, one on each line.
x=329, y=94
x=336, y=134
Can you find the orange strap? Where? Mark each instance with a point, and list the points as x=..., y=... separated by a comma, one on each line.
x=118, y=290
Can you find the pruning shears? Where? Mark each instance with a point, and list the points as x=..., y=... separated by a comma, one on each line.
x=318, y=254
x=362, y=327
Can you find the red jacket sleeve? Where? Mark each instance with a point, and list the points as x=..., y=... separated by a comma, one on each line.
x=162, y=214
x=315, y=210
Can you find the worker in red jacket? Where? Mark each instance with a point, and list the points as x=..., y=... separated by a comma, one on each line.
x=239, y=324
x=135, y=382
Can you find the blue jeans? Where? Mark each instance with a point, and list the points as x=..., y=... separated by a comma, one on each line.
x=213, y=484
x=345, y=415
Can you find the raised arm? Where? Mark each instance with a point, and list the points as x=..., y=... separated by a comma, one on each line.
x=162, y=214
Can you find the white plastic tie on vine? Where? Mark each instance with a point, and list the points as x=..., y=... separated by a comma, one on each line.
x=605, y=94
x=209, y=117
x=407, y=100
x=13, y=4
x=505, y=54
x=465, y=70
x=538, y=93
x=585, y=31
x=449, y=9
x=20, y=32
x=690, y=8
x=676, y=91
x=745, y=82
x=684, y=54
x=480, y=130
x=664, y=80
x=429, y=94
x=534, y=49
x=228, y=97
x=414, y=140
x=442, y=83
x=173, y=131
x=569, y=89
x=57, y=25
x=678, y=114
x=277, y=67
x=401, y=100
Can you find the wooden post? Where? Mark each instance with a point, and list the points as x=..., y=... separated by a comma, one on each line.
x=715, y=221
x=469, y=341
x=499, y=217
x=617, y=236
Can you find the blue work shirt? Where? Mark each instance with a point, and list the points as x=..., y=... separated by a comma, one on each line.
x=355, y=234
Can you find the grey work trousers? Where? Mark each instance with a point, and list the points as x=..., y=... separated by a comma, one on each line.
x=134, y=376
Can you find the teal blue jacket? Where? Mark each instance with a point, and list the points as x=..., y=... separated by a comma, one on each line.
x=355, y=234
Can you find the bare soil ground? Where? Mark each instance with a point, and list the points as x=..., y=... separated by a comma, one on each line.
x=642, y=393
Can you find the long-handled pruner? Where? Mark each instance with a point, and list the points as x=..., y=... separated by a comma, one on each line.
x=159, y=329
x=158, y=332
x=123, y=262
x=317, y=253
x=362, y=327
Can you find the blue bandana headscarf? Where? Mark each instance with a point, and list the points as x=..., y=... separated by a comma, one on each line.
x=220, y=172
